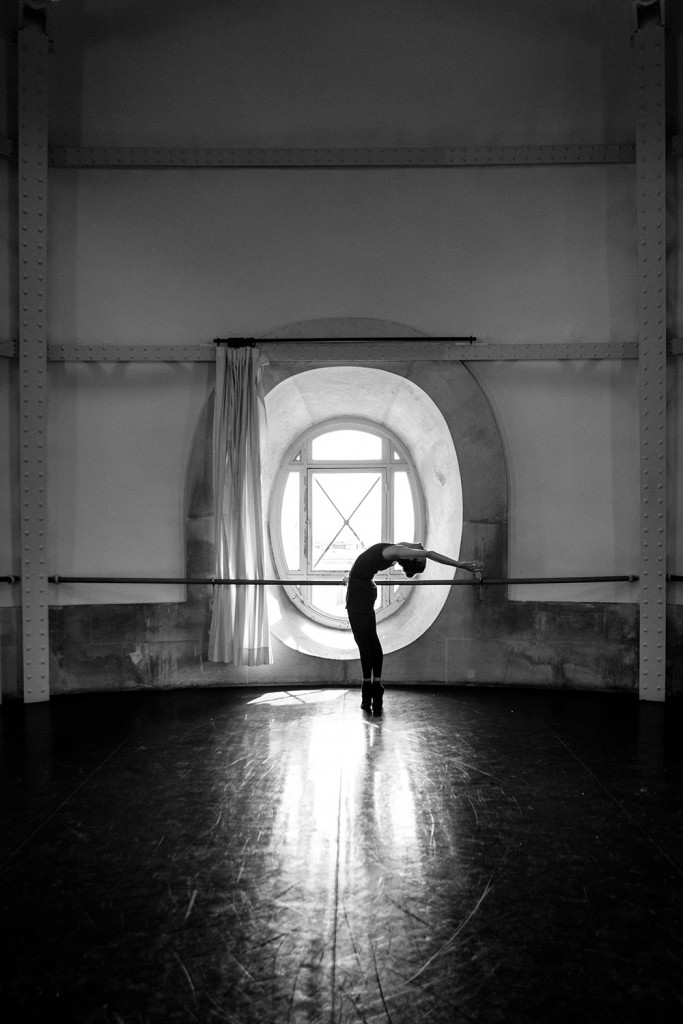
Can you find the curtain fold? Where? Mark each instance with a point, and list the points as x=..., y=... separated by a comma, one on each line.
x=239, y=626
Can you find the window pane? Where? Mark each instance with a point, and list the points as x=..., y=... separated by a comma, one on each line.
x=330, y=599
x=290, y=523
x=346, y=446
x=404, y=510
x=345, y=517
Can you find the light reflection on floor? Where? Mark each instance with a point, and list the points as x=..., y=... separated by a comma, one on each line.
x=353, y=838
x=285, y=698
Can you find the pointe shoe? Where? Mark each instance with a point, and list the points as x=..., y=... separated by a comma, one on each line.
x=377, y=698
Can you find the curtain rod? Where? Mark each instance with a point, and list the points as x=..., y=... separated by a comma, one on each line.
x=250, y=342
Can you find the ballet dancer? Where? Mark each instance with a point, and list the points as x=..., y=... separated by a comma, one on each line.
x=361, y=595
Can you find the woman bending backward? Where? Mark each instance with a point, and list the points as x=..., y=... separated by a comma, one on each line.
x=360, y=605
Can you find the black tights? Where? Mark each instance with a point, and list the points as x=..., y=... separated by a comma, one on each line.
x=364, y=628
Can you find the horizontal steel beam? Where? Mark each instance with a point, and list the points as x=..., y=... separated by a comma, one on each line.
x=402, y=156
x=315, y=349
x=131, y=353
x=417, y=349
x=407, y=156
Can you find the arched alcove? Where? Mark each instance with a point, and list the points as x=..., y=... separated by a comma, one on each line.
x=442, y=414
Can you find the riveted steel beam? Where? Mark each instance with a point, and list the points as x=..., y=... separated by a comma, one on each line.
x=461, y=156
x=32, y=169
x=417, y=350
x=131, y=353
x=343, y=348
x=649, y=65
x=357, y=348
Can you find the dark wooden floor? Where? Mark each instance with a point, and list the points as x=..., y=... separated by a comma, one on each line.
x=472, y=855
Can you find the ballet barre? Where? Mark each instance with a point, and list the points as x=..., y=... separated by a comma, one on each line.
x=216, y=581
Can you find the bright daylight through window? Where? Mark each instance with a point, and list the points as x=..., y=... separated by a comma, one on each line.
x=344, y=486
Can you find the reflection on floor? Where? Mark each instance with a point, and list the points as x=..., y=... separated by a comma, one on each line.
x=254, y=857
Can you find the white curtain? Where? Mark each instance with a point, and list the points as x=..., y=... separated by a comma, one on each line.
x=239, y=626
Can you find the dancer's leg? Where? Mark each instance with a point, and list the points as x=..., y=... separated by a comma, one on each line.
x=364, y=629
x=376, y=658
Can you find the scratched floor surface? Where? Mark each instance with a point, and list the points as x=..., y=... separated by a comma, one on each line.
x=238, y=856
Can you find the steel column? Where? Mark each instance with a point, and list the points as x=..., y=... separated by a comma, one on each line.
x=32, y=169
x=651, y=234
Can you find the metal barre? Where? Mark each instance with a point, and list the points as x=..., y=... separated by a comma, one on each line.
x=222, y=582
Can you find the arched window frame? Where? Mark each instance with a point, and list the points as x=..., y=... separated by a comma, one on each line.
x=299, y=459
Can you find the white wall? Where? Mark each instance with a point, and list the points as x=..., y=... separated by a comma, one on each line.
x=508, y=254
x=351, y=73
x=524, y=254
x=570, y=432
x=119, y=442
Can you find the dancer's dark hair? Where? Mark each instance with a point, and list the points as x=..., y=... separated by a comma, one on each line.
x=412, y=566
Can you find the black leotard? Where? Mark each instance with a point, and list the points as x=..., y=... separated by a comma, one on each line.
x=370, y=562
x=361, y=595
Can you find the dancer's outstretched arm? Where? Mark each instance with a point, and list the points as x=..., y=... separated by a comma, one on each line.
x=396, y=551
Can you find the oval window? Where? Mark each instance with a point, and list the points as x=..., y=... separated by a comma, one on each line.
x=343, y=486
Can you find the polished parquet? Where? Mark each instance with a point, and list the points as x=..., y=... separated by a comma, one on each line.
x=280, y=857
